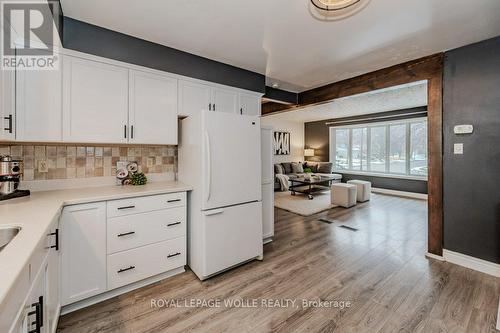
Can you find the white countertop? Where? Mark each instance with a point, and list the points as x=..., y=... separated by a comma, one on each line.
x=35, y=214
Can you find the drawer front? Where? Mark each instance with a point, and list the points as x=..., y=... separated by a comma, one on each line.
x=145, y=204
x=146, y=261
x=130, y=231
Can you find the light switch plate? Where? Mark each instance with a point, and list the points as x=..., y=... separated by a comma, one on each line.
x=43, y=166
x=458, y=148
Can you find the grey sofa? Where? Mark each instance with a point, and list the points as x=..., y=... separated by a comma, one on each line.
x=296, y=169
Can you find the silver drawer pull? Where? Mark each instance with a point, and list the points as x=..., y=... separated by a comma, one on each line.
x=125, y=269
x=172, y=224
x=173, y=255
x=125, y=207
x=173, y=200
x=126, y=234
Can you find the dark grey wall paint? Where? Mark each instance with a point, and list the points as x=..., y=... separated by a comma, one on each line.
x=317, y=136
x=281, y=95
x=472, y=180
x=57, y=14
x=407, y=185
x=87, y=38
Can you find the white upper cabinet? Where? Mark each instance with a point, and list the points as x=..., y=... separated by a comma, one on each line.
x=39, y=105
x=95, y=102
x=225, y=100
x=153, y=109
x=7, y=105
x=193, y=97
x=250, y=104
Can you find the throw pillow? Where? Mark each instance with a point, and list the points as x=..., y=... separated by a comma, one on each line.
x=278, y=169
x=313, y=166
x=288, y=167
x=297, y=167
x=325, y=167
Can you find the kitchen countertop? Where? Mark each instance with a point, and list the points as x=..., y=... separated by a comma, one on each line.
x=35, y=214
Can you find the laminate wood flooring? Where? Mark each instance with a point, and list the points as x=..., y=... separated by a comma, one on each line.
x=378, y=264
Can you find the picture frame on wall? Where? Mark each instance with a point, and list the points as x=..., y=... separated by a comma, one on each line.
x=281, y=143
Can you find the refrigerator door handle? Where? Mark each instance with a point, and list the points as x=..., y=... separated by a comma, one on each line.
x=209, y=167
x=214, y=212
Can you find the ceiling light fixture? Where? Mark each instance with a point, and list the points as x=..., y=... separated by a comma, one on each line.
x=331, y=10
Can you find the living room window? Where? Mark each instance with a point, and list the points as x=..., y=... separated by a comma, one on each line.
x=396, y=148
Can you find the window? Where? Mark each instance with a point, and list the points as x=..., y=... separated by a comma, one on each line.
x=342, y=149
x=418, y=149
x=390, y=148
x=397, y=153
x=359, y=149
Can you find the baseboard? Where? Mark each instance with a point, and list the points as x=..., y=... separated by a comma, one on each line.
x=413, y=195
x=476, y=264
x=118, y=291
x=434, y=256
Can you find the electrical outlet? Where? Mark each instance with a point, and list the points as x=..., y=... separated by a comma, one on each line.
x=43, y=166
x=151, y=162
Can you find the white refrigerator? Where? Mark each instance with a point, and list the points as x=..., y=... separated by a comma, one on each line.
x=220, y=156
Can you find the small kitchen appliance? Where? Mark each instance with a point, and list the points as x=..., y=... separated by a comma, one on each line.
x=11, y=172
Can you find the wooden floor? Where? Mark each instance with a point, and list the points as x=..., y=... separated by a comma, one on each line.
x=380, y=269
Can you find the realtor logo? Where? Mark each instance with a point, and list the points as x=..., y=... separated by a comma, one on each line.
x=28, y=33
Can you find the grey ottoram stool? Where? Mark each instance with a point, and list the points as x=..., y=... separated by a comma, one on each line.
x=364, y=189
x=343, y=195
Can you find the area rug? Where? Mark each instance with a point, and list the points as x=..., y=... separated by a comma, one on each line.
x=301, y=205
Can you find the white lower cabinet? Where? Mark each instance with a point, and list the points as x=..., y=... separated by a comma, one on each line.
x=83, y=251
x=107, y=245
x=139, y=263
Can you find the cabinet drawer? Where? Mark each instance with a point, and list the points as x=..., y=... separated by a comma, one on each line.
x=130, y=231
x=145, y=204
x=146, y=261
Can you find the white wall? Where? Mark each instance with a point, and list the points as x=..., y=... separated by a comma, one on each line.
x=296, y=130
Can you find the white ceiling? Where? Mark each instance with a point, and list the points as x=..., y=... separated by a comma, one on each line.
x=394, y=98
x=281, y=39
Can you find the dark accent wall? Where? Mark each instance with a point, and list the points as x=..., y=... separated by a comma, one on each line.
x=317, y=136
x=88, y=38
x=472, y=180
x=281, y=95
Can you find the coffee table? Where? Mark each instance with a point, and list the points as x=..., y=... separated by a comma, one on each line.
x=316, y=183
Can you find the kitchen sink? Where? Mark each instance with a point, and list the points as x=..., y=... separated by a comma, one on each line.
x=6, y=235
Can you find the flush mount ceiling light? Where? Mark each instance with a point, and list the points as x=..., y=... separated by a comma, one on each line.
x=331, y=10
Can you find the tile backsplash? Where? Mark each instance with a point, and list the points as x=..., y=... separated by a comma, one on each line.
x=70, y=161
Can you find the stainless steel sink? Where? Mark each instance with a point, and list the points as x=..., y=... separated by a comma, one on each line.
x=6, y=235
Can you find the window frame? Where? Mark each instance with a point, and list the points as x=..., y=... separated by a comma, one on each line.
x=368, y=126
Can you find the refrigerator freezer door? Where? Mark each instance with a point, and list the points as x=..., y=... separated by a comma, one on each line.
x=231, y=159
x=233, y=235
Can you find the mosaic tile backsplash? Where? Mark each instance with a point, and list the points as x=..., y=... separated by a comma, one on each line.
x=67, y=162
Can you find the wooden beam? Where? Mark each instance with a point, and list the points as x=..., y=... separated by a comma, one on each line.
x=412, y=71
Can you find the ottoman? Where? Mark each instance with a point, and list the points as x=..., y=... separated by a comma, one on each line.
x=343, y=194
x=364, y=189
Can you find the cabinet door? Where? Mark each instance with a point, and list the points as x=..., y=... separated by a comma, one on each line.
x=95, y=102
x=53, y=298
x=38, y=105
x=7, y=105
x=267, y=211
x=83, y=251
x=193, y=97
x=225, y=100
x=249, y=104
x=153, y=109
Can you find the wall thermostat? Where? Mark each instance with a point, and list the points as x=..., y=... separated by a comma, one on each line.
x=463, y=129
